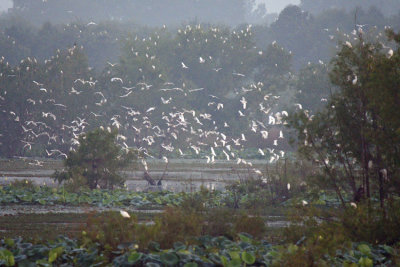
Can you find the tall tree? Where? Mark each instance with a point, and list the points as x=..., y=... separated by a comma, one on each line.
x=355, y=137
x=97, y=161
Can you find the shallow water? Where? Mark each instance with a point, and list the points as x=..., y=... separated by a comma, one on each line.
x=185, y=175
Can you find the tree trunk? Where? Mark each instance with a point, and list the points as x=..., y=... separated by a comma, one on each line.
x=148, y=178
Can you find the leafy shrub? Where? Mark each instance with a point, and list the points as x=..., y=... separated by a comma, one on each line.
x=179, y=225
x=109, y=229
x=219, y=222
x=96, y=162
x=370, y=224
x=75, y=184
x=113, y=232
x=253, y=225
x=196, y=202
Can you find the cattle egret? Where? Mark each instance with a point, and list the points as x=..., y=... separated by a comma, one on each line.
x=124, y=214
x=355, y=80
x=184, y=66
x=244, y=102
x=370, y=164
x=264, y=134
x=116, y=79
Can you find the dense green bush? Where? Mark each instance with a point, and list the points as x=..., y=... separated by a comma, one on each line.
x=96, y=162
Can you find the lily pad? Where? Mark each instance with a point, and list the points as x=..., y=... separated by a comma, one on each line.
x=248, y=257
x=134, y=257
x=169, y=259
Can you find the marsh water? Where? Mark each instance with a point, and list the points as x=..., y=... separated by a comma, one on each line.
x=183, y=175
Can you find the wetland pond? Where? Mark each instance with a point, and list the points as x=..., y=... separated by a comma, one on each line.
x=181, y=176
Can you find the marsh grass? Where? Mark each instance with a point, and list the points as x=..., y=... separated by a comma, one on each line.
x=50, y=225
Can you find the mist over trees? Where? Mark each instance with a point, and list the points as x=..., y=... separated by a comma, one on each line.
x=151, y=13
x=60, y=80
x=386, y=7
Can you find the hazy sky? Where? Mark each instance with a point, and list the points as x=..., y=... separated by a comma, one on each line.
x=275, y=6
x=272, y=5
x=5, y=4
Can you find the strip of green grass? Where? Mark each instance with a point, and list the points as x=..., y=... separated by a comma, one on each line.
x=50, y=225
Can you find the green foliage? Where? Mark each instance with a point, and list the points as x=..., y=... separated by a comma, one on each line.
x=313, y=87
x=6, y=257
x=110, y=230
x=55, y=253
x=97, y=197
x=347, y=232
x=22, y=184
x=179, y=225
x=253, y=225
x=352, y=138
x=368, y=223
x=208, y=250
x=96, y=162
x=248, y=258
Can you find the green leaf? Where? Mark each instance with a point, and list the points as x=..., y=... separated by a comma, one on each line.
x=224, y=261
x=134, y=257
x=158, y=200
x=216, y=258
x=248, y=257
x=388, y=249
x=7, y=257
x=349, y=264
x=179, y=246
x=54, y=253
x=190, y=264
x=235, y=263
x=234, y=255
x=364, y=249
x=365, y=262
x=154, y=246
x=9, y=242
x=169, y=259
x=244, y=238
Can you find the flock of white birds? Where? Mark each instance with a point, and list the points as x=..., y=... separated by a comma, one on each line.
x=191, y=129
